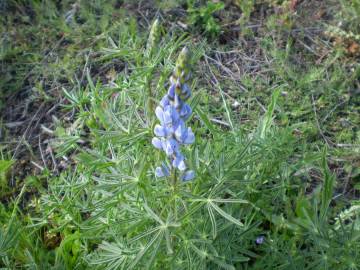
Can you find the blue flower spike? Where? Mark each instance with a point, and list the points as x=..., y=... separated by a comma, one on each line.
x=172, y=113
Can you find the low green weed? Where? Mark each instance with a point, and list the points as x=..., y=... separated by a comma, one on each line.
x=203, y=16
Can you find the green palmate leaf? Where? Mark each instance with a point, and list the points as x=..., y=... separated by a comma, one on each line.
x=121, y=137
x=226, y=215
x=153, y=255
x=114, y=255
x=156, y=239
x=153, y=215
x=230, y=201
x=168, y=242
x=144, y=234
x=213, y=220
x=205, y=254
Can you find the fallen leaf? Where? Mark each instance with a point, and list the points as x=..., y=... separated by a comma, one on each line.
x=354, y=48
x=293, y=5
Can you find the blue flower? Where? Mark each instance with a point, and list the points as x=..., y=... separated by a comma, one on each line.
x=162, y=171
x=185, y=112
x=188, y=175
x=184, y=134
x=164, y=115
x=178, y=162
x=171, y=133
x=260, y=239
x=162, y=131
x=185, y=92
x=158, y=143
x=178, y=102
x=171, y=91
x=171, y=147
x=165, y=101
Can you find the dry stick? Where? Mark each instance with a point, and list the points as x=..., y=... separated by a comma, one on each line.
x=55, y=167
x=37, y=165
x=87, y=56
x=41, y=152
x=226, y=69
x=332, y=110
x=23, y=138
x=55, y=106
x=235, y=80
x=220, y=122
x=27, y=130
x=308, y=48
x=216, y=83
x=347, y=180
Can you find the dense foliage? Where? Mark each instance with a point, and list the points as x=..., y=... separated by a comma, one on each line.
x=273, y=146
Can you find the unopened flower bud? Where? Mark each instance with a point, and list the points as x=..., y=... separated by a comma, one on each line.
x=154, y=37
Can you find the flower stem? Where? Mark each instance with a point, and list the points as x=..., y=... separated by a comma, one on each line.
x=150, y=105
x=174, y=189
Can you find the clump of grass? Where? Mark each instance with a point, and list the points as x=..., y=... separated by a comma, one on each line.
x=201, y=16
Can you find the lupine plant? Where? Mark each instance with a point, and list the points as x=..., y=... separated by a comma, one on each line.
x=246, y=208
x=173, y=112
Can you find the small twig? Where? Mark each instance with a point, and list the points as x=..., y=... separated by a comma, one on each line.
x=41, y=153
x=347, y=181
x=37, y=165
x=55, y=167
x=219, y=122
x=332, y=110
x=27, y=130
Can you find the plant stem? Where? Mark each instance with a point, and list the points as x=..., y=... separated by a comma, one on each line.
x=174, y=185
x=150, y=105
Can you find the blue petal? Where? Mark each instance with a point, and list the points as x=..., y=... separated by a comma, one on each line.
x=182, y=166
x=185, y=111
x=171, y=91
x=185, y=91
x=166, y=169
x=159, y=172
x=157, y=143
x=161, y=131
x=187, y=176
x=260, y=240
x=159, y=114
x=171, y=147
x=179, y=162
x=164, y=115
x=174, y=116
x=181, y=132
x=190, y=137
x=162, y=171
x=168, y=115
x=164, y=101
